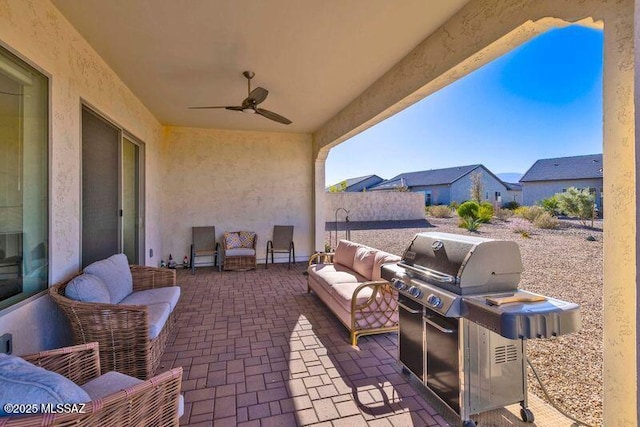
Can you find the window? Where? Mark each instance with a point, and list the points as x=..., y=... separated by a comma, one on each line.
x=427, y=198
x=24, y=188
x=498, y=196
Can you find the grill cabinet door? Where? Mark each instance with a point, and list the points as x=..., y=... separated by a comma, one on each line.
x=411, y=336
x=443, y=369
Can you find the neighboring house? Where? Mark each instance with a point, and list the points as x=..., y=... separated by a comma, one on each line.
x=514, y=193
x=361, y=183
x=550, y=176
x=443, y=186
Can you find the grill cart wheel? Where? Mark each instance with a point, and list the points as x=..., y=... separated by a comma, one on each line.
x=469, y=423
x=527, y=415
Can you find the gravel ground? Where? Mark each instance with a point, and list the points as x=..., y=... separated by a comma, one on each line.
x=558, y=263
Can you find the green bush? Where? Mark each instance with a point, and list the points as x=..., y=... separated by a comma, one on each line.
x=512, y=206
x=530, y=213
x=547, y=221
x=485, y=212
x=440, y=211
x=468, y=209
x=577, y=203
x=550, y=205
x=503, y=214
x=471, y=224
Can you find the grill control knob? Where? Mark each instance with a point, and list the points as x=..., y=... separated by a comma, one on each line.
x=415, y=292
x=398, y=284
x=434, y=301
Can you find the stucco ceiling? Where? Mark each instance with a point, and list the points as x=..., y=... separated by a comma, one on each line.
x=314, y=57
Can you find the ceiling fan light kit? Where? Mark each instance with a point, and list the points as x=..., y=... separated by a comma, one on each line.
x=250, y=103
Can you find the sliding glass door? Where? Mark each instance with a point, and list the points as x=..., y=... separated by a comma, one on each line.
x=111, y=213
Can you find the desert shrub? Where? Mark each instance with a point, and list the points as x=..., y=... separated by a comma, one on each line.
x=512, y=206
x=530, y=213
x=471, y=224
x=468, y=209
x=440, y=211
x=454, y=205
x=521, y=226
x=577, y=203
x=485, y=212
x=503, y=214
x=547, y=221
x=550, y=205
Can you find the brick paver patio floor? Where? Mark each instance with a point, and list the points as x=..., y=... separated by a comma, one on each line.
x=258, y=350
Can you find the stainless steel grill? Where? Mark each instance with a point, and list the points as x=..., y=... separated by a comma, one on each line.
x=464, y=322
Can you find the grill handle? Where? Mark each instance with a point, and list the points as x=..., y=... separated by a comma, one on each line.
x=438, y=327
x=410, y=310
x=440, y=277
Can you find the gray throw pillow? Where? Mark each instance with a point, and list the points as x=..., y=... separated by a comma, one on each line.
x=116, y=274
x=88, y=288
x=24, y=383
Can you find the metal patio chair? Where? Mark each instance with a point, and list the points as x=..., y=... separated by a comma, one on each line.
x=204, y=243
x=282, y=242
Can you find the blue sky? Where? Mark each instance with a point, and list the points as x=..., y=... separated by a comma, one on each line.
x=541, y=100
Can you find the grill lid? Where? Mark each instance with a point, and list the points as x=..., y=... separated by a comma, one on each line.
x=464, y=264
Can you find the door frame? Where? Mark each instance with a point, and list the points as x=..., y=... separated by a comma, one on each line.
x=122, y=133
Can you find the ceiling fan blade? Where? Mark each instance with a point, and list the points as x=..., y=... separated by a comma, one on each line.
x=273, y=116
x=206, y=108
x=234, y=108
x=259, y=94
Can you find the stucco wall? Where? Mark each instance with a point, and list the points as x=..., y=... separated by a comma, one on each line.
x=39, y=34
x=375, y=206
x=235, y=181
x=440, y=194
x=534, y=191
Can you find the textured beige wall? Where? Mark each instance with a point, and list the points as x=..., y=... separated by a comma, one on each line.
x=38, y=33
x=375, y=206
x=236, y=180
x=479, y=33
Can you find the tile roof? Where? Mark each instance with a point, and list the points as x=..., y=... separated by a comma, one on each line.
x=560, y=168
x=428, y=177
x=513, y=186
x=353, y=181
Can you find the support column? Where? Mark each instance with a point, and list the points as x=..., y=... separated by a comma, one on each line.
x=319, y=199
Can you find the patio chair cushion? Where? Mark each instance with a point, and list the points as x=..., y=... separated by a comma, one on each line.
x=380, y=259
x=232, y=240
x=345, y=253
x=116, y=274
x=363, y=261
x=88, y=288
x=169, y=295
x=113, y=382
x=158, y=315
x=240, y=252
x=23, y=382
x=330, y=274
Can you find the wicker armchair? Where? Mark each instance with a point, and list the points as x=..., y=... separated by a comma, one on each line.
x=121, y=330
x=239, y=255
x=152, y=403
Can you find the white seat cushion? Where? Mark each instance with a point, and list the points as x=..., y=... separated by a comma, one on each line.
x=240, y=252
x=158, y=315
x=169, y=295
x=113, y=382
x=330, y=274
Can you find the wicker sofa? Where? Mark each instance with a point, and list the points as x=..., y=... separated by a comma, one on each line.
x=132, y=329
x=348, y=281
x=115, y=399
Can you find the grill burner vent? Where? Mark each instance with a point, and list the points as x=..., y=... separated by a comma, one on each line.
x=505, y=354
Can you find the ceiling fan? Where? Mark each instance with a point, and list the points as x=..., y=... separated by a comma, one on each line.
x=250, y=103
